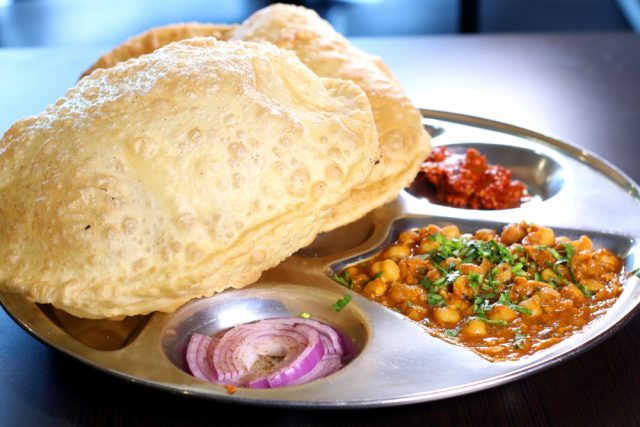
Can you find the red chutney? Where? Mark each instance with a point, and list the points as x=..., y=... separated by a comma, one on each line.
x=469, y=182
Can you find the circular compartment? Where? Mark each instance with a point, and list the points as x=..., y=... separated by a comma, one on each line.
x=212, y=315
x=543, y=175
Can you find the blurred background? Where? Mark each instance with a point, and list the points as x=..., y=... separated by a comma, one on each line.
x=94, y=22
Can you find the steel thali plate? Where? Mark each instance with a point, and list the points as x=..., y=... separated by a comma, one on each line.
x=399, y=362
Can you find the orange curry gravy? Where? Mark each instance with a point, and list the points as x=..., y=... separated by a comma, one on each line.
x=502, y=295
x=469, y=182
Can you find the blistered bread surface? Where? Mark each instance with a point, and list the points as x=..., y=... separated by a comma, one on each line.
x=403, y=140
x=176, y=175
x=157, y=37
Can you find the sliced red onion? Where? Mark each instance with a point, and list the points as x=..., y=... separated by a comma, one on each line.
x=303, y=363
x=328, y=365
x=309, y=350
x=196, y=357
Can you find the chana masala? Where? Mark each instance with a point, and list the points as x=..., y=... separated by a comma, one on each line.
x=468, y=181
x=502, y=295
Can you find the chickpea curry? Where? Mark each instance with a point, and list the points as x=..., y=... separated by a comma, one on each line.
x=502, y=295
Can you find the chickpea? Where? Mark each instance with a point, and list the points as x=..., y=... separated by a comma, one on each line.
x=450, y=232
x=540, y=256
x=462, y=289
x=502, y=312
x=581, y=265
x=390, y=270
x=360, y=279
x=376, y=268
x=446, y=316
x=462, y=305
x=485, y=266
x=548, y=275
x=512, y=234
x=430, y=230
x=417, y=313
x=572, y=292
x=542, y=236
x=533, y=306
x=427, y=245
x=397, y=251
x=375, y=288
x=547, y=293
x=475, y=328
x=470, y=268
x=353, y=271
x=408, y=237
x=503, y=273
x=522, y=288
x=593, y=285
x=607, y=261
x=450, y=261
x=582, y=244
x=485, y=234
x=400, y=293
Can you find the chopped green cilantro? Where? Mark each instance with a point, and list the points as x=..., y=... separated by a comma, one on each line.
x=343, y=279
x=506, y=301
x=636, y=272
x=452, y=332
x=376, y=276
x=342, y=302
x=426, y=283
x=475, y=280
x=436, y=299
x=569, y=250
x=488, y=321
x=555, y=253
x=518, y=339
x=585, y=290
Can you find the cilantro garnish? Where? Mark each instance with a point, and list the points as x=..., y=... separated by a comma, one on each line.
x=375, y=276
x=344, y=279
x=452, y=332
x=518, y=339
x=636, y=272
x=569, y=250
x=436, y=299
x=506, y=301
x=585, y=290
x=475, y=280
x=480, y=307
x=342, y=302
x=488, y=321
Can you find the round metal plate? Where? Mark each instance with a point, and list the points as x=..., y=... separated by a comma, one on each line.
x=399, y=362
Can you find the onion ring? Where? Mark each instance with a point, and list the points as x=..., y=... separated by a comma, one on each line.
x=269, y=353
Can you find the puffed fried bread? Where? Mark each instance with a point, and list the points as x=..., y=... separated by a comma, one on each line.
x=157, y=37
x=176, y=175
x=404, y=142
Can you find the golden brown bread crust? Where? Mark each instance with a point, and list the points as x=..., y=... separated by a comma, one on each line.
x=176, y=175
x=403, y=141
x=158, y=37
